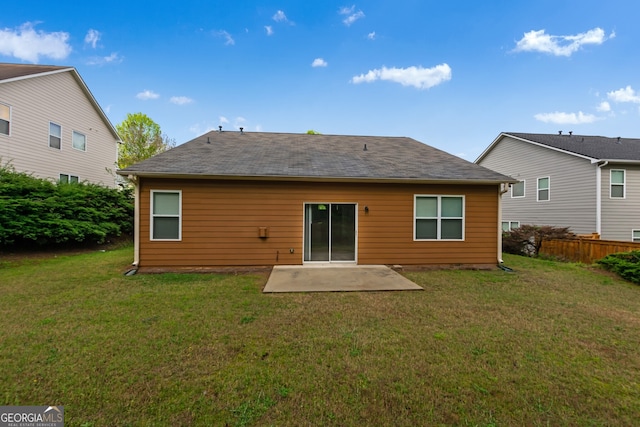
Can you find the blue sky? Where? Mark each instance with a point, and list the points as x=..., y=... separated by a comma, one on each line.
x=452, y=74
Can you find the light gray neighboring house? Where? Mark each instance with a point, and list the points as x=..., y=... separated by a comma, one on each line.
x=51, y=126
x=588, y=183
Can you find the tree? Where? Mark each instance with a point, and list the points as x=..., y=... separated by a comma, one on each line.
x=141, y=139
x=313, y=132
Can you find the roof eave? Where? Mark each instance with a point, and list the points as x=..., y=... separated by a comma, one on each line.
x=617, y=161
x=503, y=134
x=163, y=175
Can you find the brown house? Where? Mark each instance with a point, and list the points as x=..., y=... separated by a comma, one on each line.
x=255, y=199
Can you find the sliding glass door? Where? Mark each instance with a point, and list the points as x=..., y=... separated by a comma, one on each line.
x=330, y=232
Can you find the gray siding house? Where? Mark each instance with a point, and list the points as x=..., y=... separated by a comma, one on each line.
x=588, y=183
x=51, y=126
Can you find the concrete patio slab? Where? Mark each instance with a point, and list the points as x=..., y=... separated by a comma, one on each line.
x=336, y=278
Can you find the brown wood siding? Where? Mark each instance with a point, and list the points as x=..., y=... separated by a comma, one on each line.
x=220, y=221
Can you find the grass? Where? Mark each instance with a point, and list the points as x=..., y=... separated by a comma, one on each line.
x=551, y=344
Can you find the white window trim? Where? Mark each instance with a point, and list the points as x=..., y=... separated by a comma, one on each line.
x=524, y=190
x=633, y=238
x=68, y=175
x=72, y=141
x=624, y=184
x=509, y=225
x=548, y=189
x=49, y=133
x=152, y=216
x=439, y=218
x=10, y=119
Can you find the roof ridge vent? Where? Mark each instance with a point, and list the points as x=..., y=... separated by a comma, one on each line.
x=220, y=128
x=570, y=132
x=618, y=140
x=365, y=148
x=241, y=130
x=559, y=132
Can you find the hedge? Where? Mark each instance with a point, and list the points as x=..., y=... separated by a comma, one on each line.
x=38, y=211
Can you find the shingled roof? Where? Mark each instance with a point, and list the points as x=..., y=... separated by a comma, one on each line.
x=594, y=147
x=13, y=71
x=255, y=155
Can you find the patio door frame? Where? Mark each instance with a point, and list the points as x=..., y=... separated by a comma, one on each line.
x=307, y=230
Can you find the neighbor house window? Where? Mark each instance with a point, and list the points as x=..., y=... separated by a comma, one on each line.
x=517, y=189
x=166, y=213
x=635, y=235
x=617, y=184
x=439, y=218
x=543, y=189
x=67, y=179
x=55, y=135
x=510, y=225
x=5, y=119
x=79, y=141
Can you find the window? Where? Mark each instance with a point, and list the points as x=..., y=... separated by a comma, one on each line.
x=55, y=135
x=79, y=141
x=510, y=225
x=67, y=179
x=635, y=236
x=5, y=119
x=439, y=218
x=517, y=189
x=166, y=212
x=617, y=181
x=543, y=189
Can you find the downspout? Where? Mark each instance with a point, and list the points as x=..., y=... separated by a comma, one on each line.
x=136, y=220
x=599, y=196
x=503, y=189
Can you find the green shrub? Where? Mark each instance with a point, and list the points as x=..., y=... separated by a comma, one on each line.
x=625, y=264
x=34, y=210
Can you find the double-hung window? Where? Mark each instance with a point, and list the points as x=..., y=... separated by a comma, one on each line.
x=5, y=119
x=635, y=236
x=439, y=217
x=166, y=215
x=79, y=141
x=55, y=135
x=517, y=189
x=543, y=189
x=617, y=181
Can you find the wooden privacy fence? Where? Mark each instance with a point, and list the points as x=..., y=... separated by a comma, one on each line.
x=585, y=250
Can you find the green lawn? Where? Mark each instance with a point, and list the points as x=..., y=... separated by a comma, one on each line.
x=550, y=344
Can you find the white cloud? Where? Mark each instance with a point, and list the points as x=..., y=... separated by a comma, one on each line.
x=180, y=100
x=421, y=78
x=147, y=94
x=114, y=58
x=626, y=94
x=604, y=106
x=92, y=38
x=268, y=29
x=223, y=120
x=229, y=41
x=27, y=44
x=352, y=15
x=566, y=118
x=371, y=35
x=539, y=41
x=319, y=62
